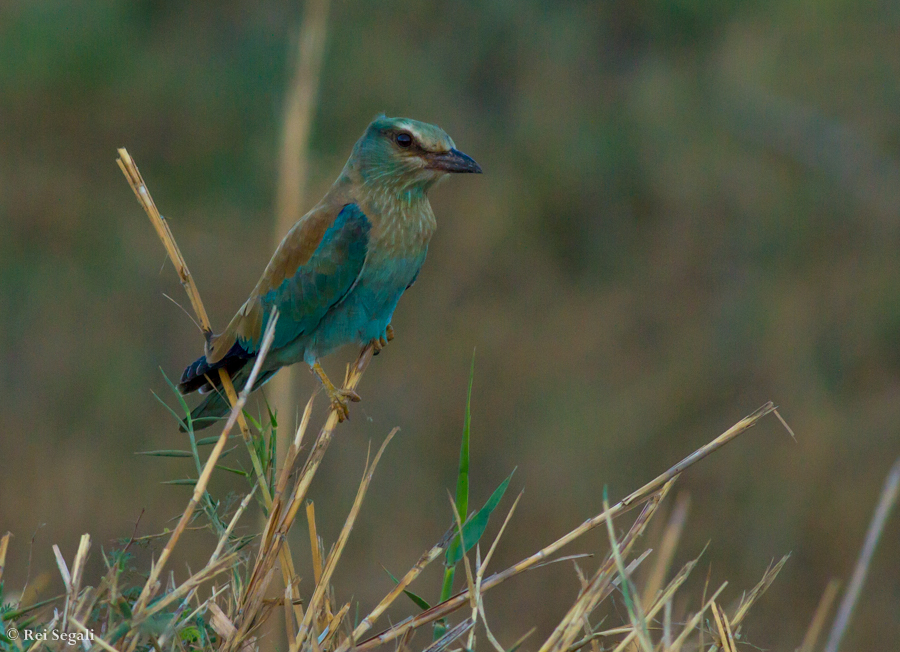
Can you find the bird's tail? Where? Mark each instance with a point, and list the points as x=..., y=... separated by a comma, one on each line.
x=216, y=405
x=203, y=375
x=199, y=374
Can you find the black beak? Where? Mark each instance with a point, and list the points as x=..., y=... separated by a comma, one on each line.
x=453, y=161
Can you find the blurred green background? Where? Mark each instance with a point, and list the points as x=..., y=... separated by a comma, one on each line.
x=688, y=208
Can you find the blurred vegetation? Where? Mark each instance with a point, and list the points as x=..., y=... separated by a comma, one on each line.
x=688, y=208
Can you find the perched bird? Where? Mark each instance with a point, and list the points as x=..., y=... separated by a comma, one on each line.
x=337, y=276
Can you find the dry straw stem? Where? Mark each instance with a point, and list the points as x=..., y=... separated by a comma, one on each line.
x=601, y=584
x=691, y=625
x=136, y=181
x=818, y=620
x=200, y=488
x=4, y=544
x=726, y=640
x=889, y=495
x=335, y=555
x=286, y=503
x=130, y=170
x=649, y=491
x=299, y=109
x=72, y=580
x=756, y=592
x=664, y=599
x=670, y=538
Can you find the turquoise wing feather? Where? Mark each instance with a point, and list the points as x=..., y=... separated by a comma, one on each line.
x=321, y=283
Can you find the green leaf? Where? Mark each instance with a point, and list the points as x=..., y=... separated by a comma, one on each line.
x=124, y=608
x=253, y=421
x=181, y=401
x=166, y=405
x=419, y=602
x=10, y=616
x=235, y=471
x=208, y=441
x=166, y=453
x=474, y=528
x=184, y=481
x=462, y=478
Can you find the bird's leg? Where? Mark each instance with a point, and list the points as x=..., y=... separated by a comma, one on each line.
x=379, y=343
x=338, y=397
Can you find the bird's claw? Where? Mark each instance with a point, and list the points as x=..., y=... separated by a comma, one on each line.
x=339, y=402
x=379, y=343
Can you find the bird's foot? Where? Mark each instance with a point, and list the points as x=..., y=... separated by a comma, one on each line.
x=339, y=402
x=379, y=343
x=339, y=397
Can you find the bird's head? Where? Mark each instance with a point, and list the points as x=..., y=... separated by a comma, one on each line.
x=407, y=155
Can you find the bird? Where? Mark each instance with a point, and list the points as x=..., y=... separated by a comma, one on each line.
x=338, y=274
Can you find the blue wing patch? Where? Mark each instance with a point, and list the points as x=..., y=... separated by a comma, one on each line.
x=304, y=299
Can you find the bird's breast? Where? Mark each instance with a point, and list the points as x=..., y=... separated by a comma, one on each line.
x=400, y=229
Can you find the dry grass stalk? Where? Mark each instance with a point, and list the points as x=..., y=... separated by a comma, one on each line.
x=818, y=620
x=670, y=538
x=889, y=495
x=756, y=592
x=726, y=641
x=286, y=504
x=601, y=584
x=132, y=174
x=335, y=555
x=293, y=167
x=691, y=625
x=644, y=494
x=4, y=545
x=152, y=583
x=664, y=599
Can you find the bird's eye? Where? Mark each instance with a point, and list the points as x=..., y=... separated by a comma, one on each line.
x=404, y=140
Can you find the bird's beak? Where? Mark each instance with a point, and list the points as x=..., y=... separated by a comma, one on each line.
x=453, y=161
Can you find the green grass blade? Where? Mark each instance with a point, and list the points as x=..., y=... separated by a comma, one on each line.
x=168, y=407
x=462, y=478
x=239, y=472
x=474, y=528
x=166, y=453
x=419, y=602
x=209, y=441
x=462, y=496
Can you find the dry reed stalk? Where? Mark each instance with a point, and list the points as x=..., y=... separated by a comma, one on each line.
x=335, y=555
x=293, y=167
x=72, y=580
x=286, y=505
x=726, y=641
x=315, y=545
x=136, y=181
x=479, y=580
x=4, y=544
x=648, y=492
x=818, y=620
x=756, y=592
x=200, y=488
x=691, y=625
x=601, y=584
x=670, y=538
x=663, y=600
x=889, y=494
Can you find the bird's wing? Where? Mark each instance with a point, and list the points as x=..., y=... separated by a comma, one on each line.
x=314, y=267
